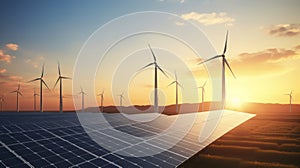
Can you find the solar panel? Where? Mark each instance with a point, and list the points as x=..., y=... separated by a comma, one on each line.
x=62, y=140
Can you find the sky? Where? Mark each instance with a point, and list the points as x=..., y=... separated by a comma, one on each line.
x=263, y=50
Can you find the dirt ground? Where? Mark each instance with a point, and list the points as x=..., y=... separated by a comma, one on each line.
x=269, y=140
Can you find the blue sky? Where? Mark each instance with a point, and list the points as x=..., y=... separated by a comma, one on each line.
x=51, y=30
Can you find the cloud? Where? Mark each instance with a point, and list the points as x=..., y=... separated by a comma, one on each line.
x=263, y=62
x=8, y=81
x=2, y=71
x=12, y=46
x=287, y=30
x=7, y=78
x=5, y=57
x=269, y=55
x=297, y=48
x=35, y=62
x=179, y=23
x=209, y=18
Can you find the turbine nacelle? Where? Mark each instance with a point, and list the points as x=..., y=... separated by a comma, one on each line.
x=175, y=81
x=82, y=92
x=40, y=78
x=101, y=94
x=224, y=64
x=60, y=77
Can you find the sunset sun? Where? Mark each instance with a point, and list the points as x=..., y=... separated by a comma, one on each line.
x=235, y=102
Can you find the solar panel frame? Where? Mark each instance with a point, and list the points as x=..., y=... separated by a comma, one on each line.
x=63, y=140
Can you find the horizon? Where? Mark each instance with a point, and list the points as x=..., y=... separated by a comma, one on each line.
x=263, y=51
x=237, y=107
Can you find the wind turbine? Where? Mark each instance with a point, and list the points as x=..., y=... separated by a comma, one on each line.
x=60, y=79
x=2, y=101
x=34, y=99
x=18, y=93
x=102, y=96
x=82, y=98
x=121, y=98
x=41, y=87
x=156, y=66
x=203, y=91
x=224, y=64
x=290, y=95
x=177, y=84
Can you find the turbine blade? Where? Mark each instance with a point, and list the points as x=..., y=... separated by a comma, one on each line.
x=34, y=80
x=45, y=84
x=225, y=48
x=64, y=77
x=210, y=59
x=58, y=66
x=19, y=86
x=171, y=83
x=43, y=69
x=180, y=85
x=175, y=76
x=101, y=93
x=147, y=66
x=20, y=93
x=152, y=53
x=229, y=67
x=204, y=84
x=162, y=71
x=13, y=91
x=56, y=82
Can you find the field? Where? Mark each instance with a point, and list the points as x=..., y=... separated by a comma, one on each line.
x=271, y=139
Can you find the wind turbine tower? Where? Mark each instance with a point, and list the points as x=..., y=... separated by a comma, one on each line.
x=224, y=64
x=176, y=84
x=82, y=98
x=18, y=93
x=41, y=87
x=291, y=97
x=34, y=99
x=60, y=80
x=2, y=103
x=156, y=66
x=121, y=98
x=202, y=92
x=102, y=99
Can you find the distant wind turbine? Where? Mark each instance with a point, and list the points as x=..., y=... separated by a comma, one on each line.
x=224, y=63
x=177, y=84
x=2, y=102
x=60, y=79
x=18, y=93
x=34, y=99
x=203, y=91
x=290, y=95
x=121, y=98
x=156, y=66
x=41, y=87
x=102, y=98
x=82, y=98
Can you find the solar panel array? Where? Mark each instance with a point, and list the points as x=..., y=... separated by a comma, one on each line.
x=60, y=140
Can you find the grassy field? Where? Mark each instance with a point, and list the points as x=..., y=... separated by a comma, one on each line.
x=270, y=140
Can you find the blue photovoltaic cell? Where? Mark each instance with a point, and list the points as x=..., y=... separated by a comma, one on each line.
x=60, y=140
